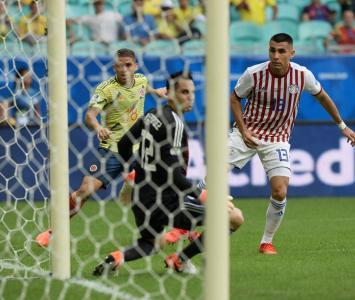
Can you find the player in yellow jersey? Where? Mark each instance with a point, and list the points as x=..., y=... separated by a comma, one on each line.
x=120, y=101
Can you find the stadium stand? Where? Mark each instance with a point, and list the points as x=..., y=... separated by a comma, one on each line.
x=162, y=48
x=193, y=48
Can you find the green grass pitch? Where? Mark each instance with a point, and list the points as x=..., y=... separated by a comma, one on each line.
x=316, y=245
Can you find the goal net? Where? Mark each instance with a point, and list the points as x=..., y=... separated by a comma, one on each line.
x=103, y=224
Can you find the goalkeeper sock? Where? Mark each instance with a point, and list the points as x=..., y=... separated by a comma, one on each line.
x=143, y=247
x=274, y=216
x=192, y=249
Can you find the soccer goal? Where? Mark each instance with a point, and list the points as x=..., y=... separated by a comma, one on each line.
x=46, y=149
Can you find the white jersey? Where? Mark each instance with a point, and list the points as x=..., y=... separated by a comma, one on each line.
x=273, y=101
x=104, y=26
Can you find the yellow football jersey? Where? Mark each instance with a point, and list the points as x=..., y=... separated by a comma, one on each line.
x=120, y=106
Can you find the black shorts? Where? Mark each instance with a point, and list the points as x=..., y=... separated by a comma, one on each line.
x=151, y=221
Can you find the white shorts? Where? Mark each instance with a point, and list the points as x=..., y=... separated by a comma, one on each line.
x=275, y=157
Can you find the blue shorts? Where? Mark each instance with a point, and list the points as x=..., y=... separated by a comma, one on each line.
x=107, y=167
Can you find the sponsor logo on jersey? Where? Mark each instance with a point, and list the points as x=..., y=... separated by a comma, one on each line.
x=93, y=168
x=293, y=89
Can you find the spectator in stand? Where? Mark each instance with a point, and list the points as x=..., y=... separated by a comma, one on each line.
x=344, y=34
x=33, y=27
x=186, y=15
x=168, y=26
x=318, y=11
x=254, y=10
x=26, y=99
x=105, y=26
x=347, y=5
x=141, y=28
x=20, y=100
x=152, y=7
x=5, y=21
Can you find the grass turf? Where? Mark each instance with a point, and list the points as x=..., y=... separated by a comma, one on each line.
x=315, y=243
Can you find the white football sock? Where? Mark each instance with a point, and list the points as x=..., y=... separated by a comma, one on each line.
x=274, y=215
x=202, y=185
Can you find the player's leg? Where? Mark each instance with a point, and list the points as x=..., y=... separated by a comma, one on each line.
x=101, y=170
x=275, y=159
x=150, y=226
x=239, y=155
x=275, y=213
x=78, y=198
x=126, y=191
x=189, y=218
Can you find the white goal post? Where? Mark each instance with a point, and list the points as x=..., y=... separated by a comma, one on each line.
x=58, y=140
x=217, y=81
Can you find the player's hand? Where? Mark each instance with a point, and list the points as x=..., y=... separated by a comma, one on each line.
x=250, y=139
x=347, y=132
x=161, y=92
x=103, y=133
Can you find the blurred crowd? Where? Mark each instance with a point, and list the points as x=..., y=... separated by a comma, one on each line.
x=317, y=26
x=141, y=22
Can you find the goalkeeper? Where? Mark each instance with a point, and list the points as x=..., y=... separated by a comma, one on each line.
x=162, y=194
x=120, y=100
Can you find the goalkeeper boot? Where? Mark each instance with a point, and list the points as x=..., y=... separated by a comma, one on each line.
x=174, y=262
x=43, y=238
x=194, y=235
x=267, y=248
x=111, y=263
x=176, y=234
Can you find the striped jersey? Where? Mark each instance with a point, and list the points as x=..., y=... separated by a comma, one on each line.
x=272, y=102
x=120, y=106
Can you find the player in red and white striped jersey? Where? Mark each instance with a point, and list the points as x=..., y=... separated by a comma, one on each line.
x=273, y=90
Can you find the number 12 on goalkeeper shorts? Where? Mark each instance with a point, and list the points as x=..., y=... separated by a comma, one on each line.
x=283, y=154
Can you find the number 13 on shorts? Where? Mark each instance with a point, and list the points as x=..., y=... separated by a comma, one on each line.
x=282, y=154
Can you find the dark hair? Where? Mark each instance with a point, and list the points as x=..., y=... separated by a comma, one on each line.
x=124, y=52
x=175, y=77
x=21, y=71
x=282, y=37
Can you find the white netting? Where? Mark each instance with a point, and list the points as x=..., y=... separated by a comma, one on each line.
x=101, y=226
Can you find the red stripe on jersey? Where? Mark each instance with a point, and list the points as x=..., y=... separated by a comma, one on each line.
x=290, y=100
x=249, y=107
x=276, y=114
x=273, y=103
x=270, y=98
x=295, y=106
x=262, y=95
x=255, y=101
x=275, y=136
x=297, y=101
x=258, y=98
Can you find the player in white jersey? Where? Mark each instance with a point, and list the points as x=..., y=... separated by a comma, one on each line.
x=273, y=90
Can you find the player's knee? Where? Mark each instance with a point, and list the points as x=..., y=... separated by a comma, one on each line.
x=279, y=192
x=236, y=218
x=89, y=186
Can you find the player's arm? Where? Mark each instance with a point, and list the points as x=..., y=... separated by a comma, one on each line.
x=238, y=117
x=329, y=105
x=183, y=184
x=160, y=92
x=132, y=137
x=92, y=122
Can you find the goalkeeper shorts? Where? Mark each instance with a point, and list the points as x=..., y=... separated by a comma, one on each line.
x=151, y=221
